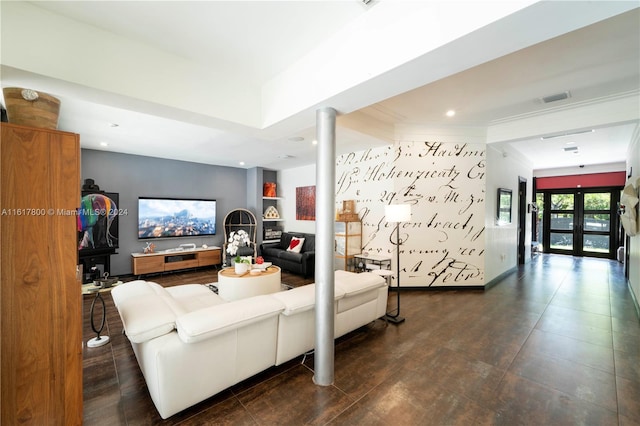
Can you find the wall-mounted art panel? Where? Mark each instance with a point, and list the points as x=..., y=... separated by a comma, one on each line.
x=306, y=203
x=443, y=244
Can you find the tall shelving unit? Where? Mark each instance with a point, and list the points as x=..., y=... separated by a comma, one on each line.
x=267, y=202
x=257, y=202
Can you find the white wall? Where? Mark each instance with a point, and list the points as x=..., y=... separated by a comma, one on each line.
x=288, y=181
x=501, y=240
x=577, y=170
x=634, y=247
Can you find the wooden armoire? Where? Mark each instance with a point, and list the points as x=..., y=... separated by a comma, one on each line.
x=40, y=289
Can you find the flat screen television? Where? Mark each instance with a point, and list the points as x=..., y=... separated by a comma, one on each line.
x=175, y=217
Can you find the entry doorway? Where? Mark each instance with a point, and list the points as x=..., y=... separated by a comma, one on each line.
x=522, y=219
x=580, y=222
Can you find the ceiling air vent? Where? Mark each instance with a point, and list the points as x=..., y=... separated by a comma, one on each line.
x=570, y=149
x=557, y=97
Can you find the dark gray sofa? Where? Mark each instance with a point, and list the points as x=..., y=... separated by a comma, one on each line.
x=302, y=263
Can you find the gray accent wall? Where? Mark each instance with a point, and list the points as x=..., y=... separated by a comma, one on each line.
x=134, y=176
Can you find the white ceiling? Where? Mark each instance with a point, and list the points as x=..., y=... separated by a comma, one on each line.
x=256, y=38
x=256, y=41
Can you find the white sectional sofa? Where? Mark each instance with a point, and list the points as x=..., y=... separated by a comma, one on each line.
x=191, y=344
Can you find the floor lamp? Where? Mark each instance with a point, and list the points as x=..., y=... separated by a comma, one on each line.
x=397, y=213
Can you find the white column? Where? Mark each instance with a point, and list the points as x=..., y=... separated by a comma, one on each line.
x=325, y=223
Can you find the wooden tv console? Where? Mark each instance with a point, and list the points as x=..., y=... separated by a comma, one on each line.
x=173, y=260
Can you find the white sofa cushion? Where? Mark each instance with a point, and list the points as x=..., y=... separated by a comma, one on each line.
x=354, y=283
x=192, y=297
x=149, y=310
x=146, y=317
x=301, y=299
x=205, y=323
x=130, y=290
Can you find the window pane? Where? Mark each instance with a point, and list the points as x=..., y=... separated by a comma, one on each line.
x=597, y=201
x=539, y=223
x=597, y=243
x=561, y=221
x=561, y=241
x=596, y=222
x=540, y=200
x=561, y=201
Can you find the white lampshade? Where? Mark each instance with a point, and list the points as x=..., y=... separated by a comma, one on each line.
x=397, y=212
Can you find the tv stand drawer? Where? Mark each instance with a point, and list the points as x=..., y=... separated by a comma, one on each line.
x=147, y=265
x=173, y=265
x=207, y=258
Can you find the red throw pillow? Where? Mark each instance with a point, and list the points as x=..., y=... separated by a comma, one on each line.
x=295, y=245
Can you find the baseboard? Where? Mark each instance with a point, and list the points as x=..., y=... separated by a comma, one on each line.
x=500, y=277
x=441, y=288
x=634, y=298
x=487, y=286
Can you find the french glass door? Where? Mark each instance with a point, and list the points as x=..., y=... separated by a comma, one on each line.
x=580, y=222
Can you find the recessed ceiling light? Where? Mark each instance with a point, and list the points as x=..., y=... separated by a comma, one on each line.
x=104, y=144
x=315, y=142
x=296, y=139
x=285, y=156
x=450, y=113
x=242, y=163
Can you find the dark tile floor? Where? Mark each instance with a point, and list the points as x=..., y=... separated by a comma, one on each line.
x=557, y=343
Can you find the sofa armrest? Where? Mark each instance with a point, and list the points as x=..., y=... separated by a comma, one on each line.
x=205, y=323
x=355, y=283
x=146, y=309
x=146, y=317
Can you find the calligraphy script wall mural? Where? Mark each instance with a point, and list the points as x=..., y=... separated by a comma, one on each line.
x=443, y=244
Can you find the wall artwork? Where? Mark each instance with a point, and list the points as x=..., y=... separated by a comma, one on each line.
x=443, y=245
x=306, y=203
x=504, y=206
x=98, y=221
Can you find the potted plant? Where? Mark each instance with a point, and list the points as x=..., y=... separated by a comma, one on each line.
x=239, y=239
x=242, y=265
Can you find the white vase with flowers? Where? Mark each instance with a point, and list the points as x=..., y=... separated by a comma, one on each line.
x=236, y=240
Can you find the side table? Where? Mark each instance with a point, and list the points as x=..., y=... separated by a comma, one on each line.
x=367, y=262
x=98, y=290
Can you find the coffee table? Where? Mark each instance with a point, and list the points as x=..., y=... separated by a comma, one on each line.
x=232, y=286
